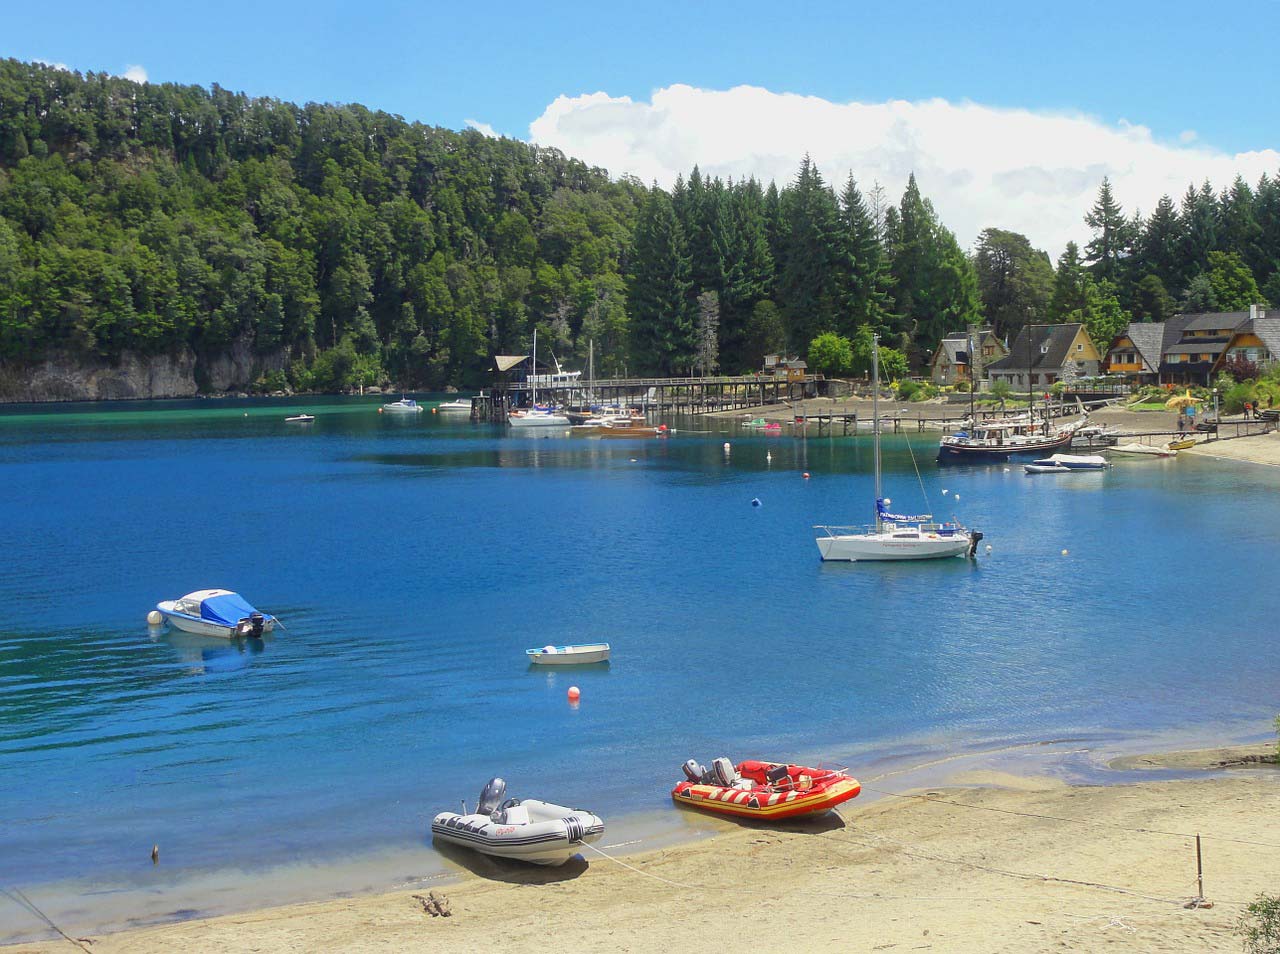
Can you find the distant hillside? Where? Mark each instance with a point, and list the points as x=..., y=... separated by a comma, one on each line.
x=332, y=242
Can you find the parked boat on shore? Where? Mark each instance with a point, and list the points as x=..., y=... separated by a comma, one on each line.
x=538, y=832
x=764, y=790
x=1134, y=449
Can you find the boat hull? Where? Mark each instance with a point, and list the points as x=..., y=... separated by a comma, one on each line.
x=202, y=627
x=764, y=803
x=858, y=548
x=996, y=453
x=543, y=842
x=570, y=655
x=538, y=420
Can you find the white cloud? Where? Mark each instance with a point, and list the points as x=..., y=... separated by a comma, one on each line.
x=480, y=127
x=135, y=72
x=57, y=66
x=1032, y=172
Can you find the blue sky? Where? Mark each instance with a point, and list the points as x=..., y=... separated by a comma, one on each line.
x=1009, y=114
x=1169, y=66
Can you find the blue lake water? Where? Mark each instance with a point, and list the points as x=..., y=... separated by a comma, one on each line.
x=413, y=562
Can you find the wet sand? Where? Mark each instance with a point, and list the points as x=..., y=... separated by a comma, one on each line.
x=993, y=862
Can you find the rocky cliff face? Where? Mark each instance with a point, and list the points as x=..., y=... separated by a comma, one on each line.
x=178, y=375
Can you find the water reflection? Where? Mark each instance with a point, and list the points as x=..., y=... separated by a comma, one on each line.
x=199, y=655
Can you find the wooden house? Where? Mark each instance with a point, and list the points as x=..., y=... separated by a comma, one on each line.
x=1042, y=355
x=1257, y=339
x=952, y=362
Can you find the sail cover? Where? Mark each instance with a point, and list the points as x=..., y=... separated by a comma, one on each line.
x=226, y=609
x=899, y=517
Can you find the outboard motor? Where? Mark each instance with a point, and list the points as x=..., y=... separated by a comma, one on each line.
x=974, y=537
x=694, y=772
x=251, y=626
x=491, y=796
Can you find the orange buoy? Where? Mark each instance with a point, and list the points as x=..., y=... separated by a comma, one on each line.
x=806, y=475
x=574, y=694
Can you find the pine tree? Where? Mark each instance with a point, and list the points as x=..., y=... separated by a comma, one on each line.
x=1267, y=209
x=1240, y=232
x=1070, y=285
x=1112, y=236
x=662, y=320
x=807, y=276
x=748, y=275
x=865, y=277
x=1014, y=279
x=1199, y=230
x=1158, y=246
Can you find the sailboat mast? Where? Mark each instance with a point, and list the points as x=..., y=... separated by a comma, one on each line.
x=591, y=373
x=875, y=415
x=533, y=371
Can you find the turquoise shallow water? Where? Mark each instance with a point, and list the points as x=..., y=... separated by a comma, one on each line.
x=414, y=561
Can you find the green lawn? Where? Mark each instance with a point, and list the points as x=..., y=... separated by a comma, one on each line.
x=1147, y=406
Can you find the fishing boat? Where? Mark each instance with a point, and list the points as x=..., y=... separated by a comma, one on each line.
x=300, y=419
x=1065, y=464
x=538, y=832
x=403, y=406
x=536, y=416
x=998, y=441
x=216, y=613
x=765, y=790
x=1134, y=449
x=579, y=655
x=894, y=536
x=456, y=406
x=631, y=430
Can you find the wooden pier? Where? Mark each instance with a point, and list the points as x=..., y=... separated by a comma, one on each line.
x=695, y=395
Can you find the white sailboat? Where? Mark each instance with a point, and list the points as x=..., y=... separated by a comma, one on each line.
x=894, y=536
x=534, y=417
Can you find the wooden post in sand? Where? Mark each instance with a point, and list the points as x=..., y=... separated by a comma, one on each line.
x=1199, y=871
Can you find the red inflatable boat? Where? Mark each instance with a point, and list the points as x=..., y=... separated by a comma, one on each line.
x=770, y=790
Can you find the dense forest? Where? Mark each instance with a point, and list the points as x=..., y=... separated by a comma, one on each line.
x=357, y=247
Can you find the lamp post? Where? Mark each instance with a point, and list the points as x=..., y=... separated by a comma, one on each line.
x=1215, y=413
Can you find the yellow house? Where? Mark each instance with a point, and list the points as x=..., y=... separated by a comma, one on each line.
x=1042, y=355
x=1256, y=340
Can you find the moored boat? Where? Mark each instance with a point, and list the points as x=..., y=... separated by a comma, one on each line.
x=1182, y=444
x=766, y=790
x=1135, y=449
x=538, y=832
x=403, y=406
x=300, y=419
x=579, y=655
x=456, y=406
x=1066, y=463
x=216, y=613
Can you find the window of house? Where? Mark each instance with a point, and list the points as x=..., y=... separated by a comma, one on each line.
x=1079, y=347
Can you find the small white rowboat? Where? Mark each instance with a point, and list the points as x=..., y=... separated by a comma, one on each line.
x=569, y=655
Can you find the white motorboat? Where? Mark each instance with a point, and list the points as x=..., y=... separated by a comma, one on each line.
x=1142, y=450
x=300, y=419
x=456, y=406
x=216, y=613
x=1066, y=463
x=579, y=655
x=403, y=406
x=894, y=536
x=529, y=830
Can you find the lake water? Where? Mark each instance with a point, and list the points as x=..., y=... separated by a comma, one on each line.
x=413, y=562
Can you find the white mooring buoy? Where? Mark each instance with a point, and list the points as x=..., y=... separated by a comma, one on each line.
x=154, y=618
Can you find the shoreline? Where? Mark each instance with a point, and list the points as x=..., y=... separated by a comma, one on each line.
x=893, y=850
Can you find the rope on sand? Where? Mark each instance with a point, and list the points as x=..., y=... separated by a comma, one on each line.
x=17, y=897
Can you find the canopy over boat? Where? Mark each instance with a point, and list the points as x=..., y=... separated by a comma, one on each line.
x=221, y=607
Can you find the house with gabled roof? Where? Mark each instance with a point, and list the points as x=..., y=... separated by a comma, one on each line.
x=1138, y=351
x=1257, y=339
x=1200, y=346
x=952, y=361
x=1042, y=355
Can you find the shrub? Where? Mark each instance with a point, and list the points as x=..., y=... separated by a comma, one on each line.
x=271, y=381
x=962, y=387
x=1000, y=390
x=1233, y=400
x=1259, y=926
x=907, y=389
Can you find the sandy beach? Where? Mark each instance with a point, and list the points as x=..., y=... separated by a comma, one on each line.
x=992, y=862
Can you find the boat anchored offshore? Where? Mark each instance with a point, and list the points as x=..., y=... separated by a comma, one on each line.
x=1066, y=463
x=300, y=419
x=569, y=655
x=894, y=536
x=403, y=406
x=216, y=613
x=456, y=406
x=523, y=830
x=768, y=790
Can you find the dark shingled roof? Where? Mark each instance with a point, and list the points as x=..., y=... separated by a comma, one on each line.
x=957, y=350
x=1049, y=346
x=1214, y=320
x=1268, y=329
x=1148, y=339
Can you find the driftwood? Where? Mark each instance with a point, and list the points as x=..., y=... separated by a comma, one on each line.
x=436, y=905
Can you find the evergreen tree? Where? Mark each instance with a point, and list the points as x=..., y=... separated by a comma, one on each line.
x=807, y=268
x=1014, y=280
x=1199, y=230
x=1158, y=245
x=707, y=359
x=1111, y=238
x=748, y=275
x=662, y=319
x=1152, y=301
x=1070, y=285
x=865, y=274
x=1240, y=232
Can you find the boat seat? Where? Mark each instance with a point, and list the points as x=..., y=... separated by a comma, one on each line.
x=515, y=815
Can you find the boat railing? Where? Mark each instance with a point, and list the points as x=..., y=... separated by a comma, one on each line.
x=846, y=531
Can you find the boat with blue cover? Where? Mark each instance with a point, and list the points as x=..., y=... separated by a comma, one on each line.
x=216, y=613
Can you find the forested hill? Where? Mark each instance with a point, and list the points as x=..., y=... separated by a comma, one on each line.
x=149, y=217
x=328, y=245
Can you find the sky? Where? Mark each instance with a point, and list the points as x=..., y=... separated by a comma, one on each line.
x=1009, y=115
